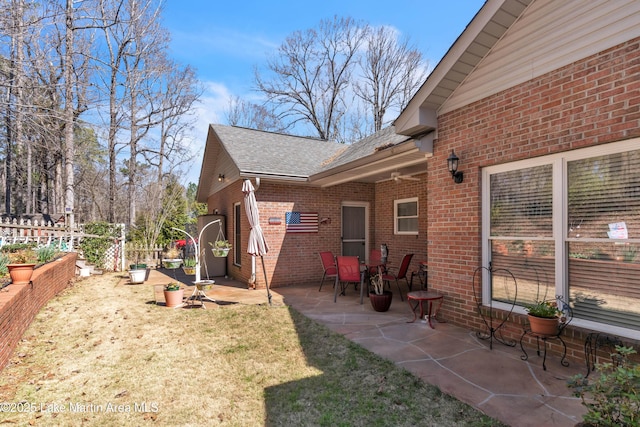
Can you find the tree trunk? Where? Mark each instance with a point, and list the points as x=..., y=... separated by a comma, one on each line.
x=69, y=149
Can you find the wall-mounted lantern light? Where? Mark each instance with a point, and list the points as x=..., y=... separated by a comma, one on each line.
x=452, y=164
x=220, y=177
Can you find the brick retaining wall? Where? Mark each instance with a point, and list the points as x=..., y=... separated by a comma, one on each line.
x=19, y=304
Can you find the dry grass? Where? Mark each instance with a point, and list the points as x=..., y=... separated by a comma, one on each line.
x=102, y=354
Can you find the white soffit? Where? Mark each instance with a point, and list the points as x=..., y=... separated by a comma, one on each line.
x=482, y=33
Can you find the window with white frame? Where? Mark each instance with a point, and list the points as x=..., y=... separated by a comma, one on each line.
x=406, y=216
x=570, y=222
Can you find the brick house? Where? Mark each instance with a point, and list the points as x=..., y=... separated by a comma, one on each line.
x=540, y=100
x=351, y=189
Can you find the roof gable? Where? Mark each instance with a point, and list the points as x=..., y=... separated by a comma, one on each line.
x=267, y=153
x=548, y=36
x=509, y=42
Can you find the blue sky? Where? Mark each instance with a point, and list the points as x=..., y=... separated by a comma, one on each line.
x=225, y=40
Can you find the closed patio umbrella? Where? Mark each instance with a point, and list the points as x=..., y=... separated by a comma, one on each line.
x=257, y=244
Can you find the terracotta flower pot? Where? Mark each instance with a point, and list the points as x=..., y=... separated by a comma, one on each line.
x=20, y=273
x=543, y=325
x=382, y=302
x=174, y=298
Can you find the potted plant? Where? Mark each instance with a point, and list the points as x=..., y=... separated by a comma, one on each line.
x=380, y=299
x=137, y=276
x=205, y=285
x=173, y=294
x=220, y=248
x=189, y=266
x=544, y=317
x=22, y=262
x=172, y=258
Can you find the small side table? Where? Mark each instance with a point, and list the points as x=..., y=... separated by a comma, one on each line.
x=420, y=297
x=595, y=341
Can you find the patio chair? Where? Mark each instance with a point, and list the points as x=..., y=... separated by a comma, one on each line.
x=401, y=273
x=328, y=265
x=375, y=261
x=348, y=272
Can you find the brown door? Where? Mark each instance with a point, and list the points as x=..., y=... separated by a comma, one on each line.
x=354, y=229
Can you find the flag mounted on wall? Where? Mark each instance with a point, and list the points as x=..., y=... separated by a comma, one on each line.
x=301, y=222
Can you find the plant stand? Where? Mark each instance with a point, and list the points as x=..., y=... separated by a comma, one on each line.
x=199, y=293
x=493, y=331
x=544, y=339
x=595, y=341
x=197, y=245
x=546, y=336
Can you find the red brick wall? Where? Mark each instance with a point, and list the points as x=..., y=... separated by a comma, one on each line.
x=399, y=245
x=590, y=102
x=19, y=304
x=292, y=258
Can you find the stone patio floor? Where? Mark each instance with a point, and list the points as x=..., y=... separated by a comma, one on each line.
x=496, y=381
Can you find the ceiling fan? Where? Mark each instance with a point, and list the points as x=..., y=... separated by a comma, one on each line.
x=397, y=177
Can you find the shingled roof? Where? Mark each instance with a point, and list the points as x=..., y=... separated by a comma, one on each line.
x=372, y=144
x=255, y=151
x=237, y=152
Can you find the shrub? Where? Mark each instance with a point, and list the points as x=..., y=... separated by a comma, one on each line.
x=95, y=248
x=20, y=253
x=46, y=254
x=613, y=397
x=4, y=260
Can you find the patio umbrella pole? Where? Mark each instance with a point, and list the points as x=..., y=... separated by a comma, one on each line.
x=265, y=280
x=257, y=244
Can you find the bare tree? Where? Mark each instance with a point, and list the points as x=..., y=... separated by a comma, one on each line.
x=179, y=90
x=247, y=114
x=327, y=77
x=15, y=25
x=47, y=59
x=311, y=76
x=148, y=41
x=113, y=24
x=391, y=73
x=150, y=96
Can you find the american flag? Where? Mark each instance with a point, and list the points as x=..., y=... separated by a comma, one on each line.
x=301, y=222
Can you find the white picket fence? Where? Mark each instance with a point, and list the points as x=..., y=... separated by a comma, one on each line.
x=150, y=256
x=65, y=238
x=42, y=233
